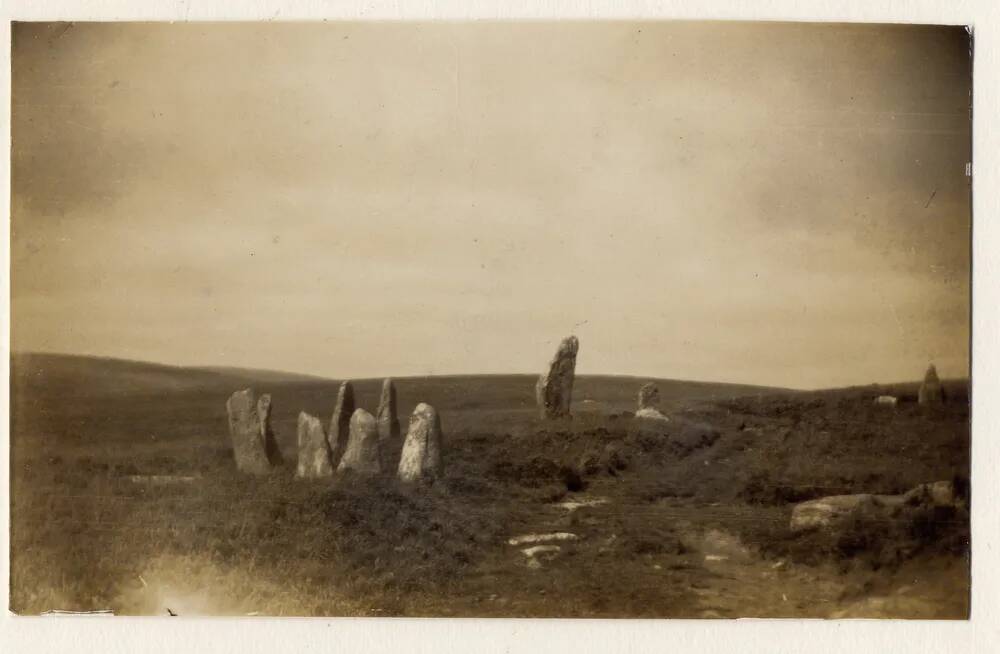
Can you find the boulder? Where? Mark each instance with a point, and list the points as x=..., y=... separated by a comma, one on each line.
x=421, y=456
x=886, y=400
x=554, y=390
x=388, y=421
x=340, y=422
x=362, y=452
x=930, y=390
x=650, y=413
x=314, y=452
x=254, y=446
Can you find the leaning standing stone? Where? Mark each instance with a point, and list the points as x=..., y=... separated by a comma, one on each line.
x=554, y=390
x=931, y=391
x=314, y=453
x=362, y=453
x=254, y=446
x=388, y=421
x=421, y=455
x=340, y=423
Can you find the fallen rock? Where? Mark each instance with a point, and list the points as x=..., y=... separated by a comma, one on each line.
x=254, y=446
x=421, y=456
x=886, y=400
x=938, y=493
x=388, y=421
x=830, y=512
x=314, y=452
x=930, y=390
x=554, y=390
x=835, y=509
x=362, y=452
x=340, y=422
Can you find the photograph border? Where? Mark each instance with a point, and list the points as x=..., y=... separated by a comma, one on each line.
x=979, y=633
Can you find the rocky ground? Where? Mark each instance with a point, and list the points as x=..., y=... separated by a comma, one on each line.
x=125, y=497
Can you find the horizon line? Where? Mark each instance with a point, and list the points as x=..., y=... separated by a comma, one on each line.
x=322, y=378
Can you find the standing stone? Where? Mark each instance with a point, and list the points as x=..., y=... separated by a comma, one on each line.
x=362, y=452
x=254, y=446
x=648, y=404
x=931, y=391
x=388, y=421
x=340, y=423
x=554, y=390
x=314, y=453
x=421, y=455
x=649, y=397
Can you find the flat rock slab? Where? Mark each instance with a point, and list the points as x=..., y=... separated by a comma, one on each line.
x=573, y=505
x=542, y=538
x=163, y=479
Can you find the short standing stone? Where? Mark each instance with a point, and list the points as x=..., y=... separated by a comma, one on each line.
x=314, y=453
x=388, y=421
x=554, y=390
x=362, y=452
x=254, y=446
x=648, y=404
x=336, y=437
x=421, y=455
x=649, y=397
x=931, y=391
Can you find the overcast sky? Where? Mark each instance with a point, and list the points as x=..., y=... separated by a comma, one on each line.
x=780, y=204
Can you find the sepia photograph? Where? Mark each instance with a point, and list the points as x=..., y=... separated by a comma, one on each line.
x=491, y=319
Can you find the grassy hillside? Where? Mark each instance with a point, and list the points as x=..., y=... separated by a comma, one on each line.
x=688, y=527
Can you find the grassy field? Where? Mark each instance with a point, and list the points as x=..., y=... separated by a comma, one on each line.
x=688, y=526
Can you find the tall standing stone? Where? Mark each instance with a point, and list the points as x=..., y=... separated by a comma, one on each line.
x=554, y=390
x=421, y=455
x=931, y=391
x=336, y=437
x=254, y=446
x=388, y=421
x=362, y=452
x=314, y=453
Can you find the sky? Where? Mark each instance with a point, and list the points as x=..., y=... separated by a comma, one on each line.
x=766, y=203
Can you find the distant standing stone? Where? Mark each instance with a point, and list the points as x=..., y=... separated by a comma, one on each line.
x=648, y=404
x=931, y=391
x=362, y=452
x=649, y=397
x=421, y=455
x=336, y=437
x=388, y=421
x=314, y=453
x=554, y=390
x=254, y=446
